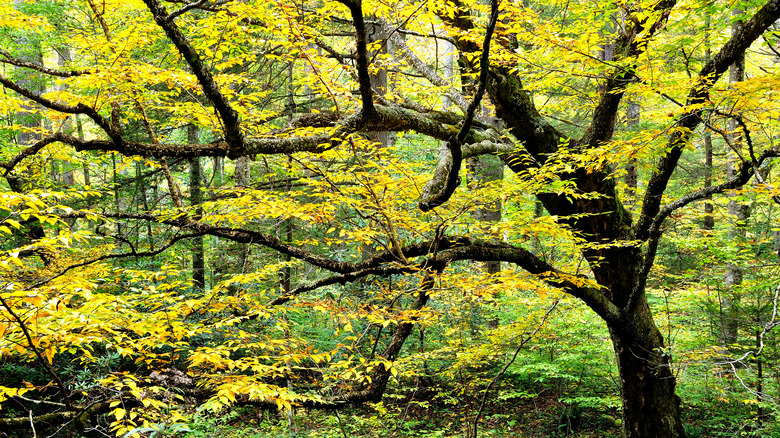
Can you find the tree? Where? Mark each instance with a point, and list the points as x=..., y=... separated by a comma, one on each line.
x=517, y=56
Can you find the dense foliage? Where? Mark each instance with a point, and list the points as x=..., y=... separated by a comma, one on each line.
x=389, y=218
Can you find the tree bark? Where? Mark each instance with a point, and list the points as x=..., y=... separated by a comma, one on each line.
x=196, y=199
x=243, y=178
x=632, y=175
x=739, y=214
x=651, y=408
x=375, y=33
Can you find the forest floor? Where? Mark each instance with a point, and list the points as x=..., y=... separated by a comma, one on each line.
x=540, y=417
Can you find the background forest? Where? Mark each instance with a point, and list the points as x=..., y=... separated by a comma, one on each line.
x=317, y=218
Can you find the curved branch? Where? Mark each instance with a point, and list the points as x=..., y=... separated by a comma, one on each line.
x=575, y=285
x=185, y=8
x=342, y=279
x=437, y=254
x=689, y=120
x=132, y=253
x=80, y=108
x=228, y=115
x=30, y=151
x=454, y=144
x=654, y=232
x=7, y=58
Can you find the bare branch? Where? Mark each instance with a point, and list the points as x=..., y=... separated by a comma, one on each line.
x=8, y=59
x=184, y=9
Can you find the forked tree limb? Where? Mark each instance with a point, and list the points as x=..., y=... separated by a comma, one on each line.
x=454, y=144
x=689, y=120
x=227, y=114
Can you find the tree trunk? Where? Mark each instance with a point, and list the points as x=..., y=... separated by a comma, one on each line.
x=739, y=214
x=651, y=409
x=29, y=50
x=632, y=175
x=709, y=219
x=198, y=256
x=375, y=33
x=243, y=178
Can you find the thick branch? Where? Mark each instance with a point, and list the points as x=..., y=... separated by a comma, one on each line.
x=80, y=415
x=228, y=115
x=364, y=79
x=630, y=44
x=483, y=251
x=689, y=120
x=389, y=118
x=30, y=151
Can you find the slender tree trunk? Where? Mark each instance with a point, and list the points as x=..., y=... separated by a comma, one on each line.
x=67, y=178
x=218, y=179
x=140, y=184
x=219, y=172
x=85, y=166
x=709, y=219
x=120, y=203
x=739, y=214
x=28, y=50
x=632, y=177
x=243, y=177
x=196, y=199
